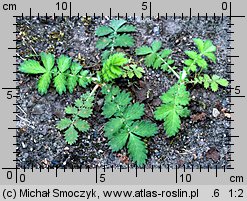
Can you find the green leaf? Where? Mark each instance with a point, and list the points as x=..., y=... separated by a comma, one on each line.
x=48, y=60
x=150, y=59
x=214, y=86
x=124, y=40
x=208, y=47
x=137, y=150
x=172, y=108
x=199, y=43
x=211, y=56
x=222, y=82
x=102, y=43
x=157, y=63
x=172, y=123
x=143, y=50
x=63, y=63
x=44, y=83
x=83, y=79
x=78, y=103
x=144, y=128
x=156, y=45
x=138, y=71
x=32, y=67
x=109, y=110
x=60, y=83
x=71, y=110
x=85, y=112
x=72, y=82
x=82, y=125
x=193, y=68
x=75, y=68
x=165, y=53
x=192, y=54
x=123, y=98
x=103, y=31
x=127, y=28
x=71, y=135
x=116, y=24
x=111, y=68
x=202, y=63
x=134, y=111
x=64, y=123
x=188, y=62
x=112, y=127
x=105, y=55
x=118, y=141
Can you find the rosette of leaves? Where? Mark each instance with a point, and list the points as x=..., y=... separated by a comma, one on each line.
x=65, y=75
x=76, y=122
x=116, y=34
x=113, y=66
x=124, y=127
x=173, y=108
x=155, y=57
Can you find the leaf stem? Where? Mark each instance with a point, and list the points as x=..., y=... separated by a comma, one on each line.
x=173, y=71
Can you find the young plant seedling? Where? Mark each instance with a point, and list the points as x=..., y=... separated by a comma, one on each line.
x=176, y=99
x=66, y=74
x=125, y=126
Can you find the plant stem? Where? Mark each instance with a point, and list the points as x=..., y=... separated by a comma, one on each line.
x=94, y=89
x=173, y=71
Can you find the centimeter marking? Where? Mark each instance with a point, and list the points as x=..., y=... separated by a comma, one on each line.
x=142, y=15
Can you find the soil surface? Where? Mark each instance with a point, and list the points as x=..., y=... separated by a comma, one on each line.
x=203, y=136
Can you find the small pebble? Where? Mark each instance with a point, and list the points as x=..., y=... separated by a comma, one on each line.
x=216, y=112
